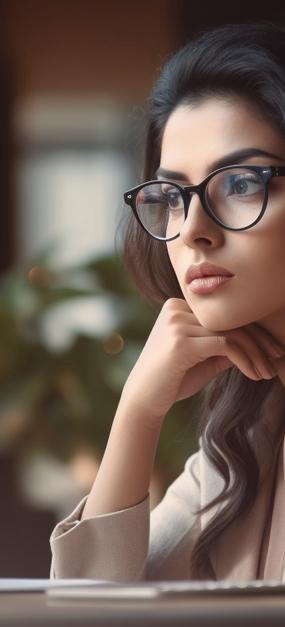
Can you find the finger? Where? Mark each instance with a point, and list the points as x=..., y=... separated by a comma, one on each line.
x=176, y=303
x=205, y=347
x=205, y=371
x=180, y=304
x=267, y=342
x=184, y=323
x=257, y=355
x=180, y=315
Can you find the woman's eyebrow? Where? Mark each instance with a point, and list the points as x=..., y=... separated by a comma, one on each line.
x=239, y=155
x=170, y=174
x=230, y=159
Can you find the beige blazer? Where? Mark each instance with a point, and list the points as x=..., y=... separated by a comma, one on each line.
x=132, y=544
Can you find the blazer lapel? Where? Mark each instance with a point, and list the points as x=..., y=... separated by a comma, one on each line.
x=274, y=563
x=236, y=554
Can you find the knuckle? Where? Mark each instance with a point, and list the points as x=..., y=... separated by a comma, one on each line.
x=169, y=304
x=177, y=340
x=222, y=341
x=175, y=303
x=172, y=315
x=232, y=332
x=174, y=318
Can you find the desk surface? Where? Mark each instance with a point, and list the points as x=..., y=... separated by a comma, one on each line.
x=38, y=610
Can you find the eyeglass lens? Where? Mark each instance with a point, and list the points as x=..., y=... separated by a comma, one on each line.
x=234, y=196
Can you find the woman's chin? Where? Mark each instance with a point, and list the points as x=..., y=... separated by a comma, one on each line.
x=219, y=325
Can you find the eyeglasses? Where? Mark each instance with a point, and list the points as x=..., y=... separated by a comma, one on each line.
x=235, y=197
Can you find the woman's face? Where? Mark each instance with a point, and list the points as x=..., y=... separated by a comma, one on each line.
x=196, y=137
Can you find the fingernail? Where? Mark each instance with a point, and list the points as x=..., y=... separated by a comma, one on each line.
x=272, y=371
x=277, y=351
x=269, y=370
x=257, y=372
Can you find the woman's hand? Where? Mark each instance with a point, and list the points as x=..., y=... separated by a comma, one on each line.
x=180, y=357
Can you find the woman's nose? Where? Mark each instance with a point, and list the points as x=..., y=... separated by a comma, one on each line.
x=198, y=226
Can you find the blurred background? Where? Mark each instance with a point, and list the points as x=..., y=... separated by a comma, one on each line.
x=74, y=77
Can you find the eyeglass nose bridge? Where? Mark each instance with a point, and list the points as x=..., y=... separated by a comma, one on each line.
x=189, y=191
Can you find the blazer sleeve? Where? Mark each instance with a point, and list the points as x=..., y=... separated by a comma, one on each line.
x=132, y=544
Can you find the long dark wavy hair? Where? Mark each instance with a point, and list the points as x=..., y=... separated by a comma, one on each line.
x=245, y=60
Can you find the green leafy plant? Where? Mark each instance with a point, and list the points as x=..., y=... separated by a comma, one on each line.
x=57, y=398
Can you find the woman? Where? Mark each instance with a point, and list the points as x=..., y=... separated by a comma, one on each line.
x=212, y=205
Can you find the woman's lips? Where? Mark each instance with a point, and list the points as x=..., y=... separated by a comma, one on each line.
x=207, y=284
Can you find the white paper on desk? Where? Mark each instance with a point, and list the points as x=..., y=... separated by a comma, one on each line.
x=105, y=590
x=148, y=590
x=39, y=585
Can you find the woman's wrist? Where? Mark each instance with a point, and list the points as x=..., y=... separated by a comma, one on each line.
x=135, y=413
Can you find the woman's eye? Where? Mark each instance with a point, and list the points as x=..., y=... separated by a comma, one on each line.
x=243, y=185
x=173, y=198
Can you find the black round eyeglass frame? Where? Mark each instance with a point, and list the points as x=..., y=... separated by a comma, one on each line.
x=265, y=172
